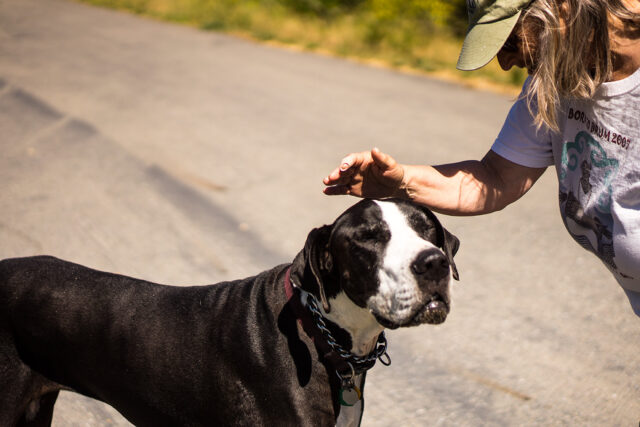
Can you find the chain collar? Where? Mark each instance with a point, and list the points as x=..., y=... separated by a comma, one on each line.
x=359, y=363
x=349, y=368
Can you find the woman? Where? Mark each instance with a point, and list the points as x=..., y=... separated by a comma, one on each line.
x=579, y=110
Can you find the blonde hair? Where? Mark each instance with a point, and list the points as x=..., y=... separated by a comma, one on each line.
x=571, y=50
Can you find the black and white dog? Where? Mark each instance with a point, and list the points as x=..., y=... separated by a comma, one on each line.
x=289, y=346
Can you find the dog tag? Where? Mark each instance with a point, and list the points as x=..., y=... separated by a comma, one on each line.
x=350, y=396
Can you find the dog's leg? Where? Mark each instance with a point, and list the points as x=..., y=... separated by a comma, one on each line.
x=26, y=403
x=14, y=383
x=26, y=398
x=39, y=411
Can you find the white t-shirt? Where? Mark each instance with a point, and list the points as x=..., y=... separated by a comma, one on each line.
x=597, y=159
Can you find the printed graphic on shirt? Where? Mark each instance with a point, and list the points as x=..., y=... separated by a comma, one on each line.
x=586, y=177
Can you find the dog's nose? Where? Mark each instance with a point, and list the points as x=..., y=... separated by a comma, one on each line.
x=431, y=265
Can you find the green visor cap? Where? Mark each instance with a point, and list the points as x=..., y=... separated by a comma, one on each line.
x=490, y=23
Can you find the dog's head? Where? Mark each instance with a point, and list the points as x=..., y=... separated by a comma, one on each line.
x=390, y=257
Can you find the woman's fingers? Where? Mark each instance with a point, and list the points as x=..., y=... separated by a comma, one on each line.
x=336, y=190
x=352, y=163
x=332, y=178
x=338, y=176
x=348, y=166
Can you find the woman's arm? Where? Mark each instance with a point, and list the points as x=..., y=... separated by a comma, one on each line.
x=464, y=188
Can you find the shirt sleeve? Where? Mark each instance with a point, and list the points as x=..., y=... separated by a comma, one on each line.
x=519, y=141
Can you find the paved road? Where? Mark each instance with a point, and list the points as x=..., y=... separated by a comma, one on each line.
x=186, y=157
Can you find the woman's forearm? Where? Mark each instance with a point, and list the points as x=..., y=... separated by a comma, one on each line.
x=470, y=187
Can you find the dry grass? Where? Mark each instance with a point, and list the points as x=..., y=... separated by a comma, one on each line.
x=356, y=36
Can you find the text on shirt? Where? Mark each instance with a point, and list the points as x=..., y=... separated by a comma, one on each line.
x=593, y=127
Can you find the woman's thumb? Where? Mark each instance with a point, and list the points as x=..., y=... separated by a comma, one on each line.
x=383, y=161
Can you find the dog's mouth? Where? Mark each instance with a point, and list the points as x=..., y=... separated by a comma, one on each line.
x=434, y=311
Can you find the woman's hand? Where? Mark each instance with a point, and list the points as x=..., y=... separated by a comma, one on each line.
x=367, y=174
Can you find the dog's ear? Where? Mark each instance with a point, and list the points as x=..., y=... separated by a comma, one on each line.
x=449, y=243
x=450, y=246
x=318, y=260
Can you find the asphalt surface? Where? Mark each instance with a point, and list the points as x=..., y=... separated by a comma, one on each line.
x=186, y=157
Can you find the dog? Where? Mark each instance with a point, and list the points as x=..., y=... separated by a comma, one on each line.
x=289, y=346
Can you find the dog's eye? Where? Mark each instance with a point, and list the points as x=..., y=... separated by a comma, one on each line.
x=368, y=234
x=431, y=233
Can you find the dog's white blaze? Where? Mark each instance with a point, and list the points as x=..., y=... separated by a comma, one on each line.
x=398, y=293
x=358, y=321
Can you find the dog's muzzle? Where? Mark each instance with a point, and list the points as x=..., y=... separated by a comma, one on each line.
x=426, y=300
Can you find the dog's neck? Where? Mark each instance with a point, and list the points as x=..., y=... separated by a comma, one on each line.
x=359, y=323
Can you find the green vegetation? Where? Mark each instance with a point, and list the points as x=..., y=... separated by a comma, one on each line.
x=418, y=35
